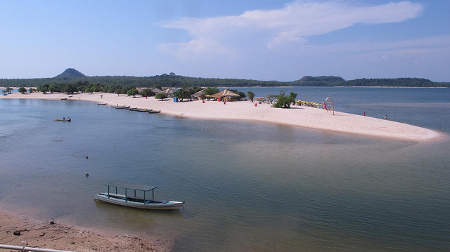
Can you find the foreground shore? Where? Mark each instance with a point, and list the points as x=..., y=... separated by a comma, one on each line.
x=21, y=231
x=297, y=116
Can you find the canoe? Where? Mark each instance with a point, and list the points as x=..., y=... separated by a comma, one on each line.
x=154, y=111
x=136, y=198
x=63, y=120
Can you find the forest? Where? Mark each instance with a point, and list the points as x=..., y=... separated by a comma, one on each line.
x=173, y=80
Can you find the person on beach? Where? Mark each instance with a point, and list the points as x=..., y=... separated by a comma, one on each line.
x=385, y=117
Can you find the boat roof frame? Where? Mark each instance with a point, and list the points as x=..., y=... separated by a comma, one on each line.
x=134, y=188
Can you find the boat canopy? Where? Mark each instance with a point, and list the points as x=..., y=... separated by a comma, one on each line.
x=139, y=191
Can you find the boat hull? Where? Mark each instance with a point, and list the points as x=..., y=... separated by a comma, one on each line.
x=148, y=204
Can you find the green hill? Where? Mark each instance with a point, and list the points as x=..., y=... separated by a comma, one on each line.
x=69, y=73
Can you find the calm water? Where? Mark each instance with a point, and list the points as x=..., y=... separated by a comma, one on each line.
x=247, y=186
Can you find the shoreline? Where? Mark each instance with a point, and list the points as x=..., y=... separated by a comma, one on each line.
x=21, y=231
x=299, y=116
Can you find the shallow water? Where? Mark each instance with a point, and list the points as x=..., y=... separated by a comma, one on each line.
x=247, y=186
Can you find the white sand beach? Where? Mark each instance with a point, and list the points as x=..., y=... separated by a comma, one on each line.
x=245, y=110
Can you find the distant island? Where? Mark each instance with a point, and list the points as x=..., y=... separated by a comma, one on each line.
x=74, y=77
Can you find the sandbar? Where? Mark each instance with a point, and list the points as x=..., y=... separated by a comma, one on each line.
x=299, y=116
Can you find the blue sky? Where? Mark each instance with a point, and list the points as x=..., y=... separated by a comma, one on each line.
x=258, y=39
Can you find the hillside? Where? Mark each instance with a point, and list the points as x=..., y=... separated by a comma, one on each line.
x=69, y=73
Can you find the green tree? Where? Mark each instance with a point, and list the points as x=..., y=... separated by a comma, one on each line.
x=251, y=95
x=32, y=90
x=22, y=90
x=89, y=90
x=43, y=88
x=118, y=90
x=54, y=88
x=241, y=94
x=147, y=92
x=158, y=86
x=210, y=91
x=160, y=96
x=292, y=97
x=183, y=93
x=132, y=92
x=69, y=89
x=284, y=101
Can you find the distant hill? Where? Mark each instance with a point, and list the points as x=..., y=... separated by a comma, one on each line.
x=69, y=73
x=319, y=81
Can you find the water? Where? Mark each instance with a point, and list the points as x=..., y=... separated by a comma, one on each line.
x=247, y=186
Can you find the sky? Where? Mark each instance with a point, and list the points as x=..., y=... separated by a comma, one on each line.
x=254, y=39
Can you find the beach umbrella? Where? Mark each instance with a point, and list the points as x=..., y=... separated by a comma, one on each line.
x=225, y=93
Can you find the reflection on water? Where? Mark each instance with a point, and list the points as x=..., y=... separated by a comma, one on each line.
x=247, y=186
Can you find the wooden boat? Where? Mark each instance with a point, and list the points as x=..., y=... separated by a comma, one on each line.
x=136, y=197
x=63, y=120
x=142, y=110
x=101, y=103
x=120, y=107
x=152, y=111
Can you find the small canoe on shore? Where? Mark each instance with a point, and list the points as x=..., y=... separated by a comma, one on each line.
x=143, y=198
x=120, y=107
x=152, y=111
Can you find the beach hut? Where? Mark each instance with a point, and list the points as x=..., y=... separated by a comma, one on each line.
x=226, y=94
x=168, y=92
x=198, y=95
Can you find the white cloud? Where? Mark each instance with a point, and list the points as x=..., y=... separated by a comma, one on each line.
x=291, y=24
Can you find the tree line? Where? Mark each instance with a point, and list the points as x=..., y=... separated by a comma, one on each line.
x=173, y=80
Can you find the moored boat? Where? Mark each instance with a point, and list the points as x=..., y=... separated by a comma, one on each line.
x=63, y=120
x=136, y=197
x=120, y=107
x=152, y=111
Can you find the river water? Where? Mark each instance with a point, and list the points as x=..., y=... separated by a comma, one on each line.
x=247, y=185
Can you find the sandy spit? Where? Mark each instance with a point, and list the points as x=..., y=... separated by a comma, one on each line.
x=245, y=110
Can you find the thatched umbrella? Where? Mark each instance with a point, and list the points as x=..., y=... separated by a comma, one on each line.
x=199, y=95
x=225, y=93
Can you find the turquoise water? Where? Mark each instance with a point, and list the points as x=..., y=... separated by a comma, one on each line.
x=247, y=186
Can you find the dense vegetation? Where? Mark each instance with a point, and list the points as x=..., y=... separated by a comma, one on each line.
x=75, y=78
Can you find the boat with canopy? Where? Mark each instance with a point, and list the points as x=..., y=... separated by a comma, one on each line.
x=137, y=197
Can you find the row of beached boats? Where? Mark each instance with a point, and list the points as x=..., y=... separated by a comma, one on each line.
x=151, y=111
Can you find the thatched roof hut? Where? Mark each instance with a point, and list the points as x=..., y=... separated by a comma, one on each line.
x=225, y=93
x=198, y=95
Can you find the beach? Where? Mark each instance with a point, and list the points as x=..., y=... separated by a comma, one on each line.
x=299, y=116
x=25, y=232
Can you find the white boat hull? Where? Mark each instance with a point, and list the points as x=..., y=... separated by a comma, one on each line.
x=130, y=202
